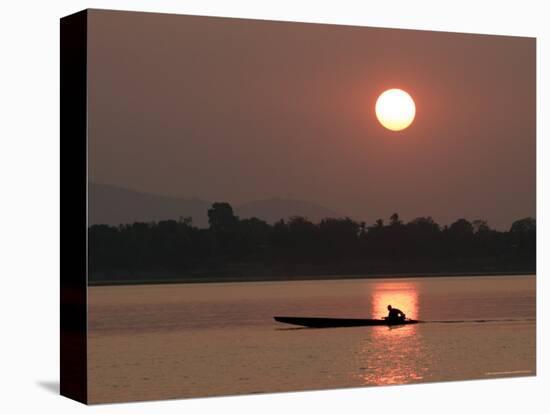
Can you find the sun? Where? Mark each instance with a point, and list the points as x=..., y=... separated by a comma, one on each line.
x=395, y=109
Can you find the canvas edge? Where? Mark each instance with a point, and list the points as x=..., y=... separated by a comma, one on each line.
x=73, y=206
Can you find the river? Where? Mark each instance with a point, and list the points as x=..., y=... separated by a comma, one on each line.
x=150, y=342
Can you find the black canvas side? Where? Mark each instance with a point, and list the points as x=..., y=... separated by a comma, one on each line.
x=73, y=127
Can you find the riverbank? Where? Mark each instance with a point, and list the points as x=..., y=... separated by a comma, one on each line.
x=285, y=278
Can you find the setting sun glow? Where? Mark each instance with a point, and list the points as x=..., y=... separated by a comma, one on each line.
x=395, y=109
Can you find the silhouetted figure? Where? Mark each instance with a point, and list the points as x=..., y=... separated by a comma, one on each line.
x=395, y=314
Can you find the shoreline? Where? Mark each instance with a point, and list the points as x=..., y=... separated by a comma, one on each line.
x=245, y=279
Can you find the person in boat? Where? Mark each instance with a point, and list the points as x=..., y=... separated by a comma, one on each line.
x=395, y=314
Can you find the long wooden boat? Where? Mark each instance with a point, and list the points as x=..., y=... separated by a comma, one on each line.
x=340, y=322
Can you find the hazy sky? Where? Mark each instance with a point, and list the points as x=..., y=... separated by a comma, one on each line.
x=242, y=110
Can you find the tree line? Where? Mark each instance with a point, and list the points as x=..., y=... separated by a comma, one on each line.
x=232, y=246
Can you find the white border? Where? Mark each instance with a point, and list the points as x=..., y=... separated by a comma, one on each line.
x=29, y=183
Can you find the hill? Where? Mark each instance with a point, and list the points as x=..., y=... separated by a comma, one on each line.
x=115, y=205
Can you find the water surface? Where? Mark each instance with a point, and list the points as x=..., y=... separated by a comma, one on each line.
x=191, y=340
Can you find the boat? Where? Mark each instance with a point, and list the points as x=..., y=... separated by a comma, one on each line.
x=314, y=322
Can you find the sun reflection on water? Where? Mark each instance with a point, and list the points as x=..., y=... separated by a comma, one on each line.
x=392, y=355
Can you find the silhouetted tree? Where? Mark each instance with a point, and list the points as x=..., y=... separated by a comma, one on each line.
x=523, y=238
x=254, y=237
x=423, y=238
x=480, y=226
x=459, y=239
x=303, y=237
x=295, y=244
x=461, y=228
x=221, y=217
x=394, y=220
x=338, y=238
x=524, y=226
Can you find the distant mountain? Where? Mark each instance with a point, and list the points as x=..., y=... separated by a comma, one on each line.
x=115, y=205
x=274, y=209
